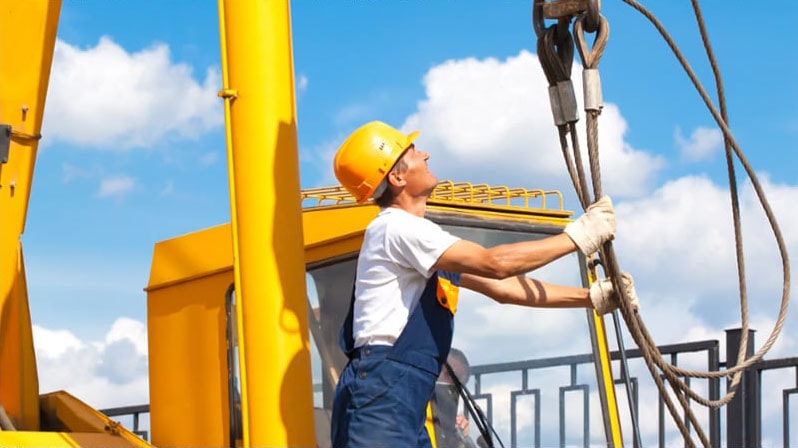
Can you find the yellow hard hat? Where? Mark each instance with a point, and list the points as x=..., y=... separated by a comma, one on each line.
x=367, y=155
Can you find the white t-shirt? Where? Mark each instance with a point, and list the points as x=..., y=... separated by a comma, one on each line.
x=395, y=262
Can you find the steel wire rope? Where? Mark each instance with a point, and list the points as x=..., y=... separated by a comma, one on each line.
x=760, y=195
x=763, y=200
x=637, y=329
x=551, y=65
x=734, y=196
x=669, y=369
x=729, y=141
x=556, y=50
x=556, y=58
x=590, y=59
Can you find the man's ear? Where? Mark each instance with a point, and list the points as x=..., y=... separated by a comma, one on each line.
x=396, y=179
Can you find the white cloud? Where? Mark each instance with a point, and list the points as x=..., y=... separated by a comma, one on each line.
x=168, y=189
x=71, y=172
x=131, y=330
x=103, y=374
x=209, y=158
x=116, y=187
x=701, y=145
x=679, y=242
x=490, y=121
x=354, y=112
x=302, y=84
x=105, y=97
x=54, y=343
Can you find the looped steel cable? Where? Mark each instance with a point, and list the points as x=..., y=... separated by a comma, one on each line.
x=590, y=60
x=651, y=354
x=556, y=58
x=590, y=57
x=741, y=366
x=557, y=50
x=537, y=18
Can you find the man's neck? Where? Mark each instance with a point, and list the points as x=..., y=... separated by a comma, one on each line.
x=414, y=206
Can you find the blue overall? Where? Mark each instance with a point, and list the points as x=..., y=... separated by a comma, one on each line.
x=381, y=397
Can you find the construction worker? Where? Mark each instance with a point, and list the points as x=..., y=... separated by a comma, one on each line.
x=399, y=328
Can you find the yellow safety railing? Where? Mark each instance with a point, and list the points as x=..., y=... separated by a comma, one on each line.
x=453, y=192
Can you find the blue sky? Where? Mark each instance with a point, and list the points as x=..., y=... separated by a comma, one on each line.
x=133, y=149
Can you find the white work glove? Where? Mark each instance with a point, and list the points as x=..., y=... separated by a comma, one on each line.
x=604, y=298
x=593, y=228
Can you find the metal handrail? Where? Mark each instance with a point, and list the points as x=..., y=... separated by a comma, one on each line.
x=453, y=192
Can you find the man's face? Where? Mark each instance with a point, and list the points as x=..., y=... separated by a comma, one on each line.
x=419, y=179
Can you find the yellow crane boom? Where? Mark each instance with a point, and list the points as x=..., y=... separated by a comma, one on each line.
x=27, y=40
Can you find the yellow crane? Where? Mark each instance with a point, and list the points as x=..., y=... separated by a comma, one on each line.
x=230, y=326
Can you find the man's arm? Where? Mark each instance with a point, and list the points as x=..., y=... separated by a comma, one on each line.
x=586, y=234
x=506, y=260
x=525, y=291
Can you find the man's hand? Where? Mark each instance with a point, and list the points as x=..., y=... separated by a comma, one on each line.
x=604, y=298
x=462, y=424
x=593, y=228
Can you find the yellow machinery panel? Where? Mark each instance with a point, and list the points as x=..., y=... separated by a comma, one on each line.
x=186, y=325
x=186, y=318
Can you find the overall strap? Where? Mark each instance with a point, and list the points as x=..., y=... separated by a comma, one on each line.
x=427, y=337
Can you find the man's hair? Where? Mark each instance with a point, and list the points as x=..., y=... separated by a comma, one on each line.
x=386, y=195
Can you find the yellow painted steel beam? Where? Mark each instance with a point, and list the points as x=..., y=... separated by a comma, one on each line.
x=19, y=387
x=27, y=38
x=25, y=439
x=605, y=377
x=263, y=161
x=72, y=423
x=69, y=414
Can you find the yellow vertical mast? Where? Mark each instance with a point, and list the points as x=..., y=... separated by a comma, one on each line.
x=258, y=76
x=27, y=39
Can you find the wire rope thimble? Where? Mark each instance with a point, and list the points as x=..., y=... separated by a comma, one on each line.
x=591, y=56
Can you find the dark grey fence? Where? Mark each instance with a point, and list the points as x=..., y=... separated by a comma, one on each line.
x=743, y=421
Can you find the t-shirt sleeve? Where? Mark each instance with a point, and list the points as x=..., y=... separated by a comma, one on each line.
x=418, y=244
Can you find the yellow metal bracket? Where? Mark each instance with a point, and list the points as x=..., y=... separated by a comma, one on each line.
x=228, y=94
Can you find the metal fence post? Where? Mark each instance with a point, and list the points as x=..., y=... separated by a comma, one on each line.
x=743, y=411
